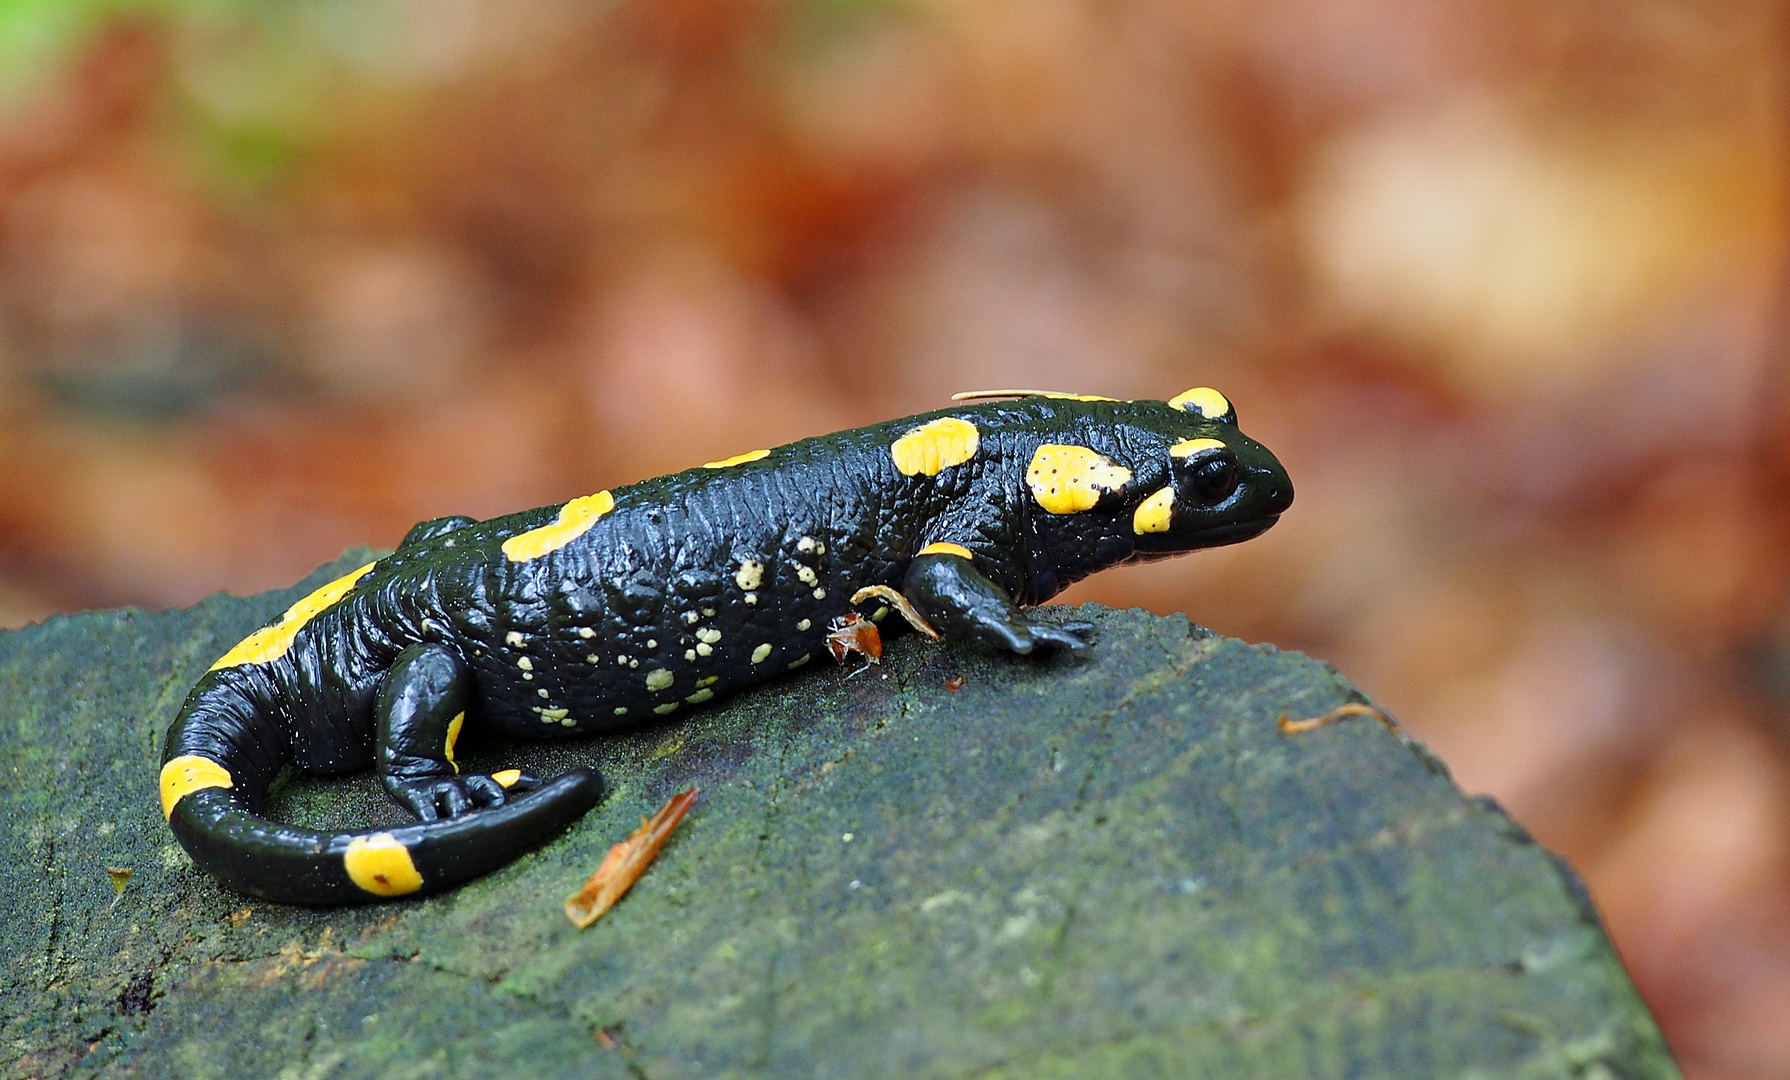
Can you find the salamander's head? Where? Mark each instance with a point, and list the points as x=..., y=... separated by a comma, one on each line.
x=1221, y=486
x=1114, y=481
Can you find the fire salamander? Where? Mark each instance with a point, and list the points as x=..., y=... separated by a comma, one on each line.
x=625, y=605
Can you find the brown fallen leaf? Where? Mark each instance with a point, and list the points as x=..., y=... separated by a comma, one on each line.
x=626, y=861
x=1353, y=708
x=853, y=633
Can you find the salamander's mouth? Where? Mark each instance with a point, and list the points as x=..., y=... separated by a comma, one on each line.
x=1235, y=533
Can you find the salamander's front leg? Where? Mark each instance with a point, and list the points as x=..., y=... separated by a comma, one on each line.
x=420, y=709
x=954, y=596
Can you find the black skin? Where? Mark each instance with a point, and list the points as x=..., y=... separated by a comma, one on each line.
x=692, y=586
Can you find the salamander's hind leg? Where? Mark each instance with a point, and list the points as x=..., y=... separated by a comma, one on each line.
x=420, y=709
x=958, y=599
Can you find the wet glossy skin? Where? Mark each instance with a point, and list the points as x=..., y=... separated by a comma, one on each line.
x=623, y=606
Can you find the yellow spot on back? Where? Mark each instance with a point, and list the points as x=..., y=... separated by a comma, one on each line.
x=575, y=519
x=381, y=865
x=1070, y=479
x=1194, y=446
x=943, y=548
x=189, y=773
x=974, y=395
x=737, y=459
x=935, y=445
x=1153, y=514
x=507, y=777
x=271, y=642
x=1203, y=400
x=453, y=736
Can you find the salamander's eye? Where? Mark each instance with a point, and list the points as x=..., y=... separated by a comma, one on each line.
x=1213, y=480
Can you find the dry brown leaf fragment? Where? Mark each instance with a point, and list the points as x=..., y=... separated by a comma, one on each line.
x=1352, y=708
x=853, y=633
x=626, y=861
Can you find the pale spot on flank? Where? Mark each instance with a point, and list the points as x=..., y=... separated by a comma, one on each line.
x=708, y=634
x=803, y=625
x=525, y=664
x=700, y=696
x=820, y=594
x=704, y=649
x=762, y=653
x=586, y=632
x=797, y=662
x=513, y=638
x=750, y=574
x=668, y=707
x=658, y=679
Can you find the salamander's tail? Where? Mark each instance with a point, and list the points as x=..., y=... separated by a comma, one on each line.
x=302, y=866
x=222, y=752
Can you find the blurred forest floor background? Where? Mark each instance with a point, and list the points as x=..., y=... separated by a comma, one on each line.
x=1502, y=281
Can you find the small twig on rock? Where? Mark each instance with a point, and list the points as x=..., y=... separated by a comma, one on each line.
x=1352, y=708
x=626, y=861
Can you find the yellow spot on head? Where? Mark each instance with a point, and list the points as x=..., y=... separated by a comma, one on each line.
x=575, y=519
x=1153, y=514
x=189, y=773
x=737, y=459
x=271, y=642
x=453, y=736
x=506, y=778
x=1194, y=446
x=946, y=549
x=1070, y=479
x=1203, y=401
x=381, y=865
x=935, y=445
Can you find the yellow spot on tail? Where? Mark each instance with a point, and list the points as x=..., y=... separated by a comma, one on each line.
x=271, y=642
x=946, y=549
x=1153, y=514
x=381, y=865
x=1194, y=446
x=189, y=773
x=1070, y=479
x=453, y=736
x=507, y=777
x=737, y=459
x=935, y=445
x=1207, y=402
x=575, y=519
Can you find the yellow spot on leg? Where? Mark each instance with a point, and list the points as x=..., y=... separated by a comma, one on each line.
x=1153, y=514
x=507, y=778
x=189, y=773
x=737, y=459
x=381, y=865
x=946, y=549
x=575, y=519
x=453, y=736
x=1070, y=479
x=271, y=642
x=935, y=445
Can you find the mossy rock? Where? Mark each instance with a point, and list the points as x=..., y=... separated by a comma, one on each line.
x=1089, y=866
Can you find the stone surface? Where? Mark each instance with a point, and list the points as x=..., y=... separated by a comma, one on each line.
x=1068, y=867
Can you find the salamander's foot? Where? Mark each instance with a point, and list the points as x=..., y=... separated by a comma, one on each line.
x=1019, y=633
x=435, y=797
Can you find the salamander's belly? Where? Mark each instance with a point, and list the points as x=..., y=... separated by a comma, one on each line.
x=636, y=644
